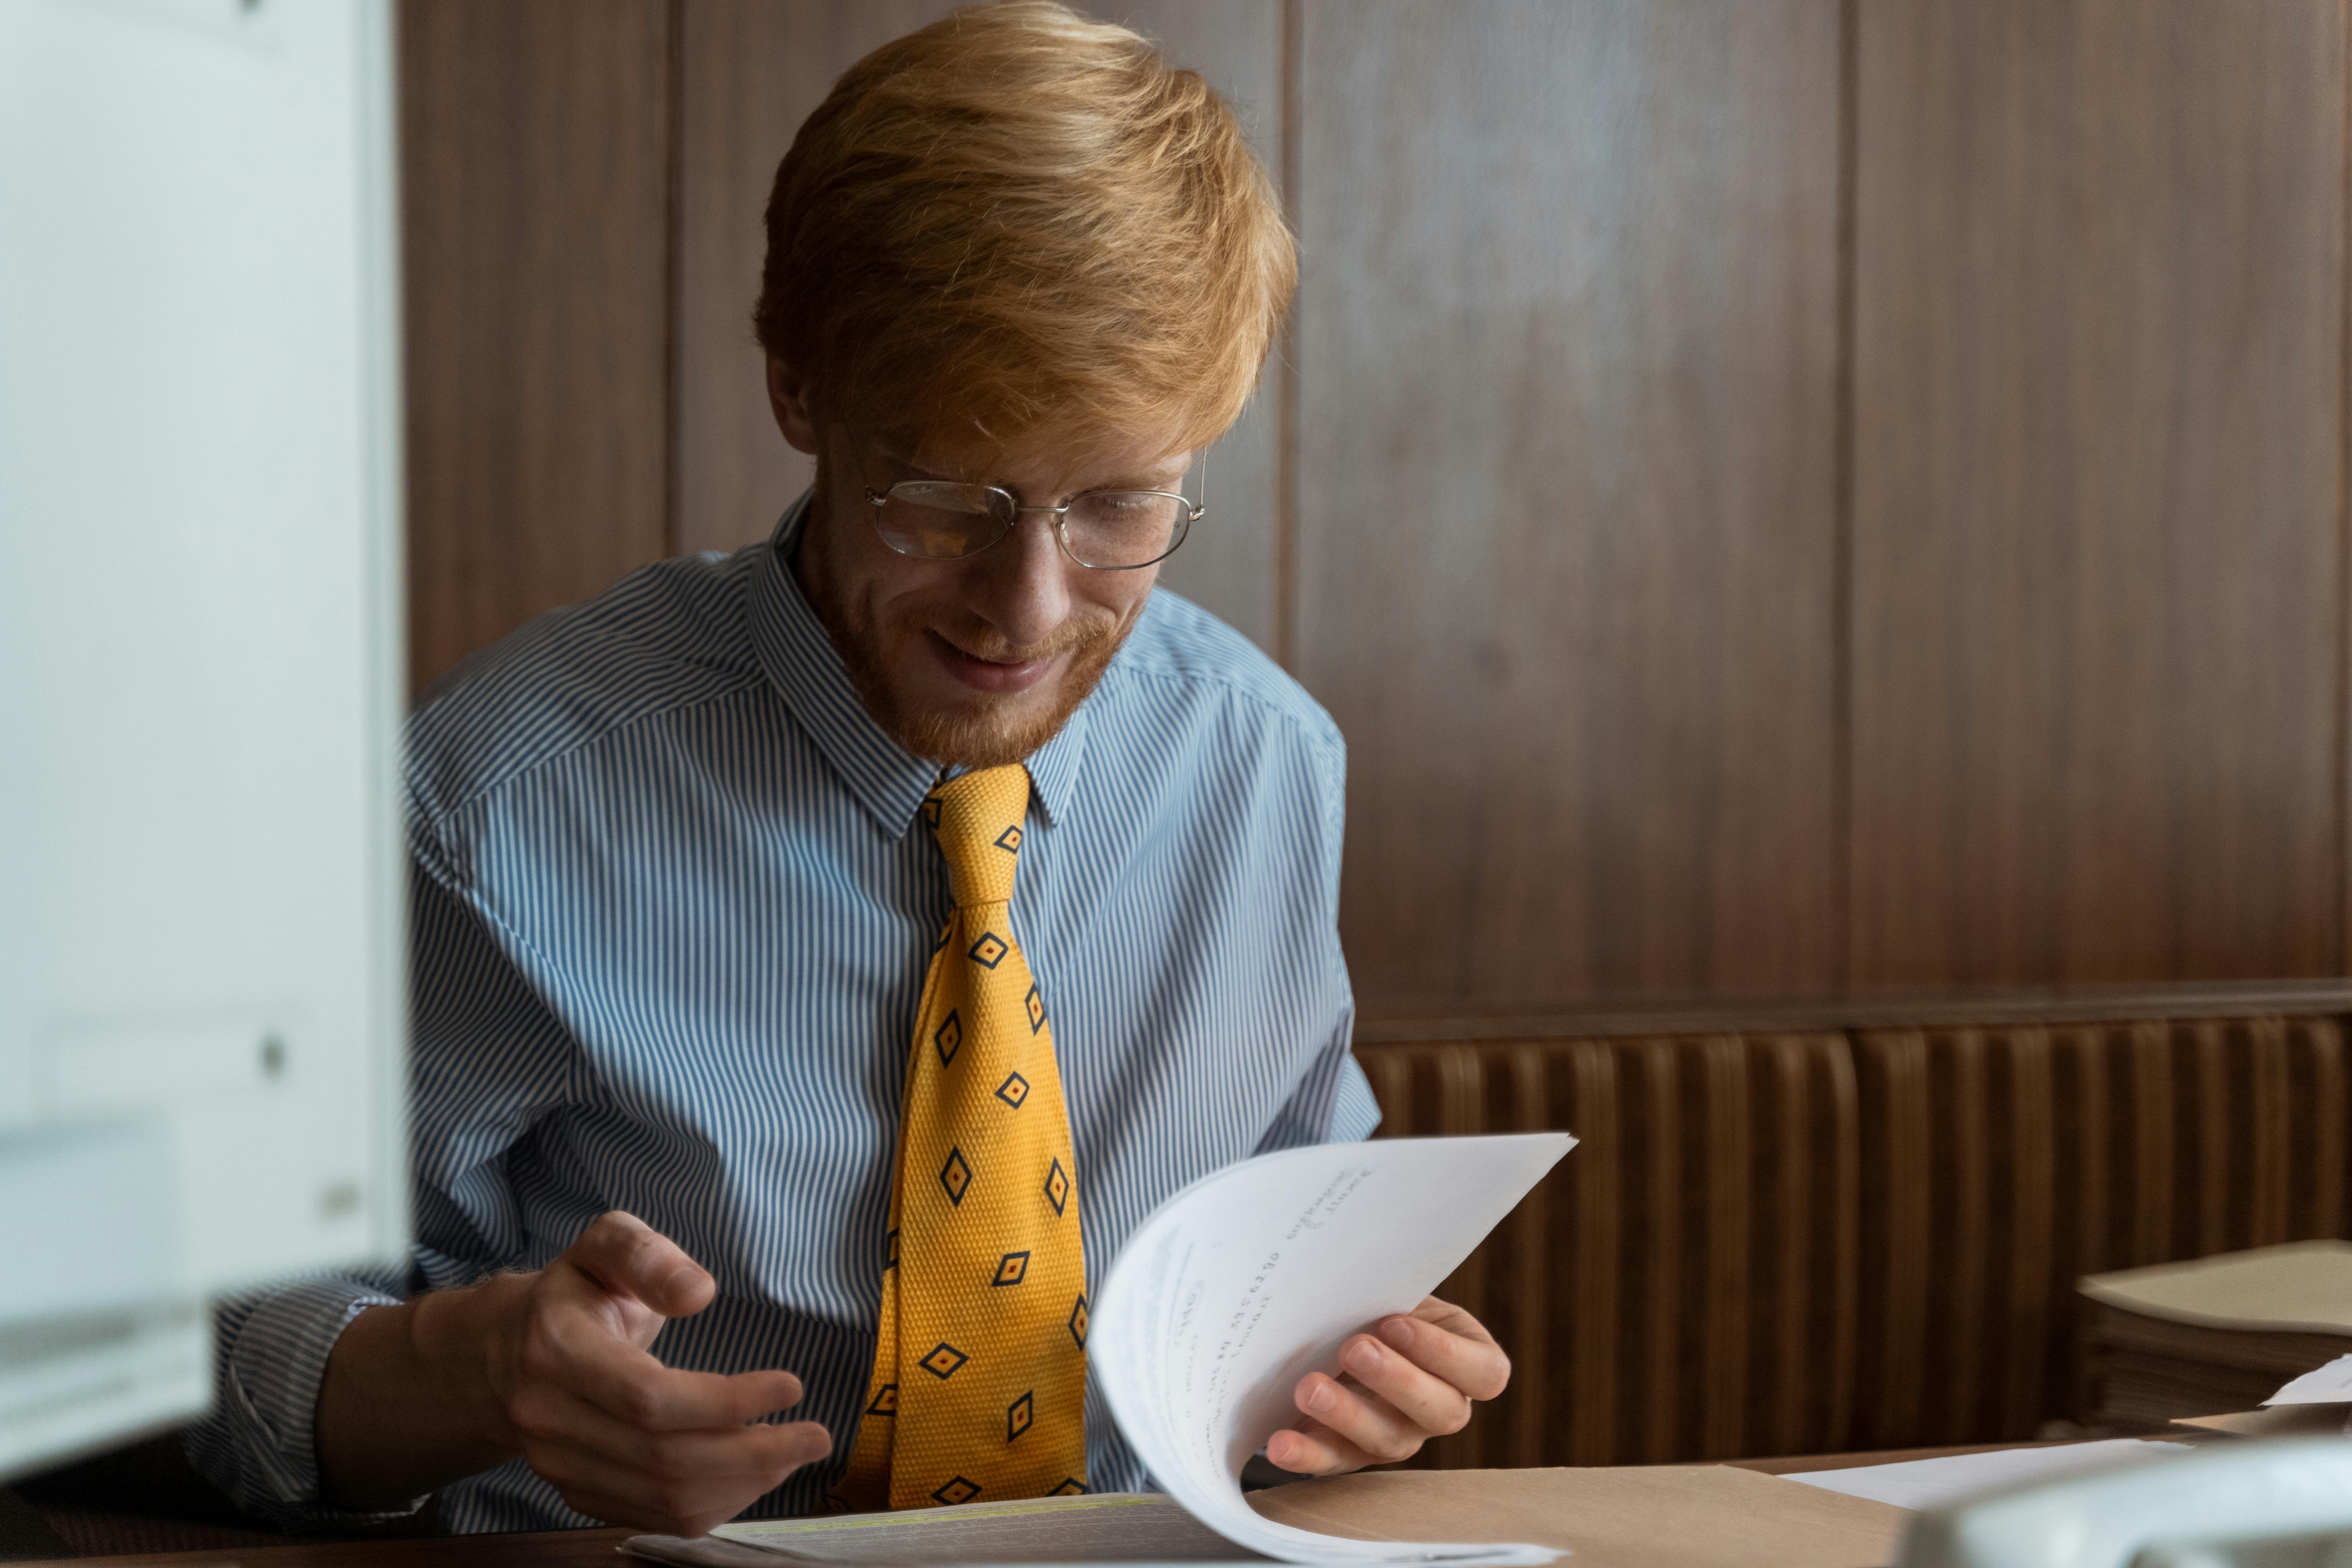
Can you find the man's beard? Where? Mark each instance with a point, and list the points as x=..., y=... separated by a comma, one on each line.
x=986, y=733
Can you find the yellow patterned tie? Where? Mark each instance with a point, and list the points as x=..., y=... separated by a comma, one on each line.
x=980, y=1377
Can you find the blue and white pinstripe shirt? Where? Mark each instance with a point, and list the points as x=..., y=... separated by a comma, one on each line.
x=672, y=914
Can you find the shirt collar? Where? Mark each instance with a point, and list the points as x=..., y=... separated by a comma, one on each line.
x=796, y=654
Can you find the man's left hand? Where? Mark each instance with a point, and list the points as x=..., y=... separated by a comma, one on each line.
x=1411, y=1379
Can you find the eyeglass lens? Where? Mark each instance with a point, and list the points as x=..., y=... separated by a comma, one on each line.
x=945, y=522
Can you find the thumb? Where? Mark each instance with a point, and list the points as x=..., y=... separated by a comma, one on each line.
x=626, y=1257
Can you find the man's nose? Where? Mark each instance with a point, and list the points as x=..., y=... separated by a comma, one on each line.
x=1024, y=584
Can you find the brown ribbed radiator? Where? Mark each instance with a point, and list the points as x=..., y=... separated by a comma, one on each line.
x=1682, y=1285
x=1809, y=1242
x=2003, y=1164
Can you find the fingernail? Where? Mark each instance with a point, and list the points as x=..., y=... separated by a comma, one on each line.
x=1361, y=1355
x=1399, y=1332
x=1323, y=1396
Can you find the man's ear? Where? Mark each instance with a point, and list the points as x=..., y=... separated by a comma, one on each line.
x=788, y=397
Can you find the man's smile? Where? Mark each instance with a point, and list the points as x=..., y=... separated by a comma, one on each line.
x=988, y=673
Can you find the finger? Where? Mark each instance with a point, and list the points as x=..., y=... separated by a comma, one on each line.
x=1448, y=1316
x=556, y=1418
x=1452, y=1344
x=681, y=1483
x=624, y=1255
x=1313, y=1449
x=632, y=1387
x=1432, y=1405
x=1361, y=1417
x=685, y=1473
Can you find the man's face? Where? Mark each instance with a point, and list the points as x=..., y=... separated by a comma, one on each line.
x=981, y=660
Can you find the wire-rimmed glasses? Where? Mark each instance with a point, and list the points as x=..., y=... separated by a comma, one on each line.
x=1108, y=530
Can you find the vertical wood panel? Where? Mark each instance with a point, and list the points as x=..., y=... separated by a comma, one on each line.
x=2099, y=274
x=535, y=145
x=1566, y=352
x=753, y=70
x=1897, y=1118
x=2035, y=1201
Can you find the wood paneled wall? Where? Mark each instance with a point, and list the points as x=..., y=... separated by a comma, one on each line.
x=1786, y=498
x=2098, y=546
x=1567, y=358
x=536, y=153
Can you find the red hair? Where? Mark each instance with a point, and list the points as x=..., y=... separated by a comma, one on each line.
x=1018, y=225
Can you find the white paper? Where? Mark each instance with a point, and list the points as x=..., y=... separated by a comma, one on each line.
x=1251, y=1277
x=1932, y=1483
x=1102, y=1527
x=2329, y=1384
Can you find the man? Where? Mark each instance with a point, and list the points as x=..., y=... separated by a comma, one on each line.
x=825, y=956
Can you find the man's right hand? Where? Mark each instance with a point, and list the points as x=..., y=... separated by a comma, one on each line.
x=554, y=1366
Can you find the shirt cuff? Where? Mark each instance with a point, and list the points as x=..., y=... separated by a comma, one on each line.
x=260, y=1442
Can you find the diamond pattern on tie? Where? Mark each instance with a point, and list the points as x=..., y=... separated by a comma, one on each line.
x=981, y=1355
x=956, y=1178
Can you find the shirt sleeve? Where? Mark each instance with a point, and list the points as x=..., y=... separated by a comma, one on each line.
x=1333, y=1102
x=488, y=1059
x=270, y=1354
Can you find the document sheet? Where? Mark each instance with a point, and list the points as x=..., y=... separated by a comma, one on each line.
x=1251, y=1277
x=1932, y=1483
x=2329, y=1384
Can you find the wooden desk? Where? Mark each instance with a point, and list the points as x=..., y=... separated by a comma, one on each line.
x=596, y=1548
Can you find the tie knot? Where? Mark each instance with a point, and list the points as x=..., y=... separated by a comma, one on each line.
x=977, y=819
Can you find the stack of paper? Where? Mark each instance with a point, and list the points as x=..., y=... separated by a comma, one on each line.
x=2220, y=1333
x=2318, y=1404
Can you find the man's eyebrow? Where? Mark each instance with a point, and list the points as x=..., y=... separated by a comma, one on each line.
x=1124, y=482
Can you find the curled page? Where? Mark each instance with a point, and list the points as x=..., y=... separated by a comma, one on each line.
x=2329, y=1384
x=1251, y=1277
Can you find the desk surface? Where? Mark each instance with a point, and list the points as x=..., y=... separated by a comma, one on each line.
x=595, y=1548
